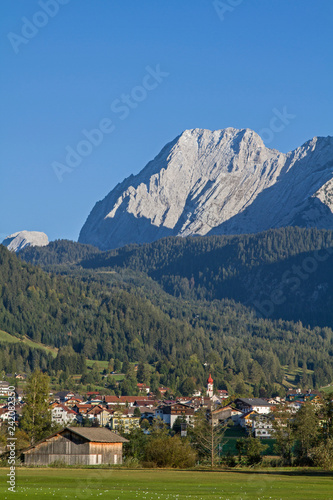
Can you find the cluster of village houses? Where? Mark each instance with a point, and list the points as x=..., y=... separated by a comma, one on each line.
x=102, y=443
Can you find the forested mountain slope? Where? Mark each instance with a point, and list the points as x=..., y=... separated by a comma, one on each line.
x=58, y=253
x=283, y=273
x=126, y=314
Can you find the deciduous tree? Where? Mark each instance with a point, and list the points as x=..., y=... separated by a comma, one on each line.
x=251, y=448
x=36, y=414
x=306, y=429
x=283, y=434
x=207, y=437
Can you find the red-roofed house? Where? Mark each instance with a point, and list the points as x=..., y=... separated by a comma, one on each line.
x=99, y=414
x=63, y=415
x=143, y=388
x=120, y=400
x=162, y=390
x=82, y=408
x=4, y=415
x=223, y=394
x=73, y=401
x=94, y=394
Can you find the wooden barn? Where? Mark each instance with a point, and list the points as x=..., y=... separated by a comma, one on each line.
x=78, y=445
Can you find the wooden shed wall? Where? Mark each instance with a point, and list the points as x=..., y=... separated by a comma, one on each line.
x=62, y=448
x=107, y=453
x=72, y=449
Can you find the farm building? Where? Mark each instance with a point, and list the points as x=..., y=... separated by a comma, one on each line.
x=78, y=445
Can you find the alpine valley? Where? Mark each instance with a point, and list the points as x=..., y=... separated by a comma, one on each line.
x=250, y=296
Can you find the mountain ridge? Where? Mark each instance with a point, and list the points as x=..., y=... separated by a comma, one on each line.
x=217, y=182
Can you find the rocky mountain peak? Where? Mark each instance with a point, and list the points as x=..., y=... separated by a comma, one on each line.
x=17, y=241
x=216, y=182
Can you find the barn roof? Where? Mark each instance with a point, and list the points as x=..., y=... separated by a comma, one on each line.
x=97, y=434
x=93, y=434
x=253, y=402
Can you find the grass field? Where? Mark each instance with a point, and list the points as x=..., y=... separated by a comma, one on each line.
x=327, y=389
x=289, y=376
x=101, y=364
x=116, y=484
x=11, y=339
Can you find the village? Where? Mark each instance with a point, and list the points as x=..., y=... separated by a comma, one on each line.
x=91, y=428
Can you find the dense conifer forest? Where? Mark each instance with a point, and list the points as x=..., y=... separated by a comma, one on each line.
x=282, y=273
x=176, y=305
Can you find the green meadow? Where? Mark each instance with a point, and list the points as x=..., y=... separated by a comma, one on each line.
x=11, y=339
x=124, y=484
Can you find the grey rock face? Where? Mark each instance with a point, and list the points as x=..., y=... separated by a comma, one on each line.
x=217, y=182
x=17, y=241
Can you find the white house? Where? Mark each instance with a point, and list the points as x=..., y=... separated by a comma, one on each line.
x=253, y=404
x=4, y=415
x=294, y=406
x=4, y=388
x=170, y=413
x=262, y=426
x=223, y=394
x=63, y=415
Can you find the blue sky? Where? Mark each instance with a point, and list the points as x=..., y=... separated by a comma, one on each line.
x=70, y=64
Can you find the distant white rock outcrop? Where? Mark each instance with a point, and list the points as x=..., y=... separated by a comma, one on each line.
x=217, y=182
x=22, y=239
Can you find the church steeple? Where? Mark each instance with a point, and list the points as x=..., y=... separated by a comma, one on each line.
x=210, y=386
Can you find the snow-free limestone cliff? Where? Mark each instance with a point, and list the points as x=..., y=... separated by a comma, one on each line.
x=17, y=241
x=217, y=182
